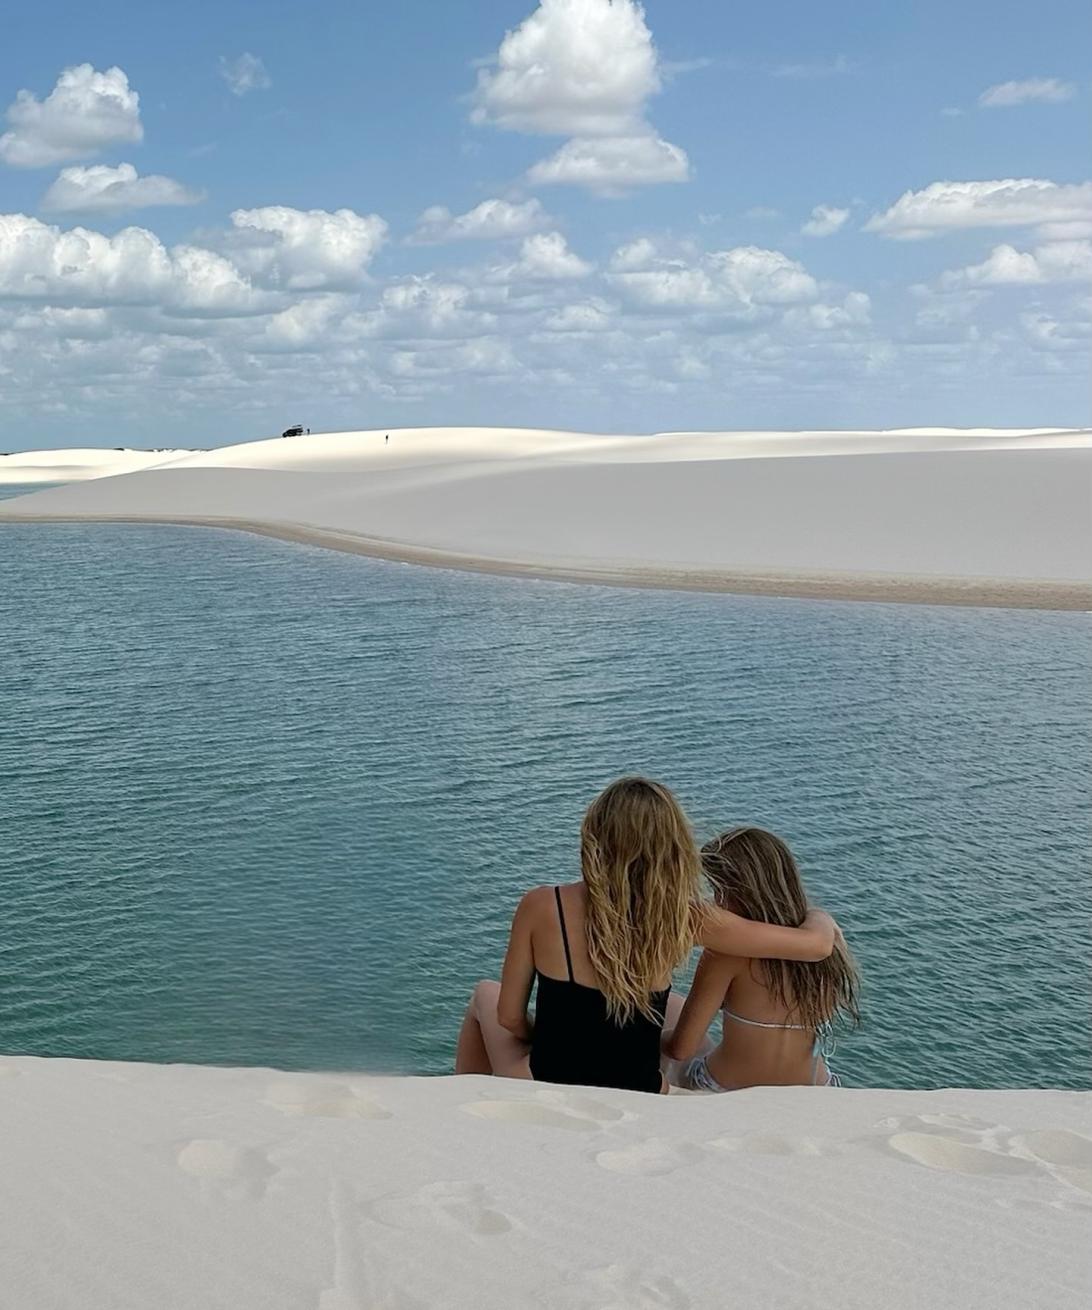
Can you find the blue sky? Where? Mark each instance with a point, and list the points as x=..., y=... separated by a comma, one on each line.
x=643, y=265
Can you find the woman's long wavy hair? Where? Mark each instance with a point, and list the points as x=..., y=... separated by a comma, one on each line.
x=642, y=872
x=754, y=874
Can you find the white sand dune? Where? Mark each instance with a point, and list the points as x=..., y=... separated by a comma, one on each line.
x=135, y=1186
x=958, y=516
x=78, y=464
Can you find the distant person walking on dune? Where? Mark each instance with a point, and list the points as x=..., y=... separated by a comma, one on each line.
x=386, y=439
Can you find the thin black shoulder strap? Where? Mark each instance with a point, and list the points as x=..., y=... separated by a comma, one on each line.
x=564, y=932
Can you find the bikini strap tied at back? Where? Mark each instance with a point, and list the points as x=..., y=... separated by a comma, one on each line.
x=564, y=933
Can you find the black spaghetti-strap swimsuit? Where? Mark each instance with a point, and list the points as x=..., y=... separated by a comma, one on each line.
x=576, y=1041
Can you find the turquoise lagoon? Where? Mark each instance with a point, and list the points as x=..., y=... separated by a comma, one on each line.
x=261, y=803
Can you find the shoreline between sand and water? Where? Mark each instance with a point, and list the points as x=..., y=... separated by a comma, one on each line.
x=966, y=518
x=910, y=589
x=262, y=1190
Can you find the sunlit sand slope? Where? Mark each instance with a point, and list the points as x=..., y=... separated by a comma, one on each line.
x=980, y=517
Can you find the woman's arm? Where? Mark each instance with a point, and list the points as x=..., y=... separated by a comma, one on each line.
x=712, y=979
x=730, y=934
x=518, y=973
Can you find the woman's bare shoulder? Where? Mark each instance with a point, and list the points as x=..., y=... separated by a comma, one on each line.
x=536, y=902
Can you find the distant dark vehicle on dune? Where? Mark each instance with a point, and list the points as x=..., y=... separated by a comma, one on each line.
x=296, y=431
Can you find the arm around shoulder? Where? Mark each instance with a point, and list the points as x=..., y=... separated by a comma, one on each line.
x=730, y=934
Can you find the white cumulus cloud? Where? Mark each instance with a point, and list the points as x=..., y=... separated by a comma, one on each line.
x=307, y=250
x=85, y=112
x=583, y=69
x=573, y=68
x=439, y=363
x=81, y=267
x=825, y=221
x=304, y=324
x=244, y=74
x=611, y=165
x=854, y=312
x=423, y=308
x=1012, y=202
x=735, y=281
x=1059, y=261
x=634, y=254
x=585, y=316
x=1007, y=94
x=547, y=257
x=491, y=220
x=1076, y=231
x=1069, y=332
x=100, y=188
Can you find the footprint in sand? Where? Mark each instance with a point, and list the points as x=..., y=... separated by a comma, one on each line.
x=1067, y=1156
x=950, y=1155
x=654, y=1155
x=324, y=1099
x=462, y=1207
x=1057, y=1146
x=979, y=1133
x=963, y=1124
x=771, y=1144
x=621, y=1287
x=588, y=1106
x=360, y=1276
x=551, y=1109
x=235, y=1171
x=529, y=1112
x=972, y=1146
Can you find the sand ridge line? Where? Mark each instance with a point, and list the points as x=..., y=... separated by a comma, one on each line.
x=917, y=589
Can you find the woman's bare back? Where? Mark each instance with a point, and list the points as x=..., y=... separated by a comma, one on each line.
x=760, y=1045
x=548, y=944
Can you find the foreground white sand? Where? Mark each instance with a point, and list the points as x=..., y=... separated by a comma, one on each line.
x=78, y=464
x=968, y=517
x=130, y=1186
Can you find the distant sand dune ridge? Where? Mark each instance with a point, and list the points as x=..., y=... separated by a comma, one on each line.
x=79, y=464
x=958, y=516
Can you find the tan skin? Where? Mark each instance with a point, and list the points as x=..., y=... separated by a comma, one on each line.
x=496, y=1033
x=746, y=1057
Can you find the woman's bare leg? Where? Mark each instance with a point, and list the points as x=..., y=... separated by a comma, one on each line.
x=470, y=1054
x=486, y=1047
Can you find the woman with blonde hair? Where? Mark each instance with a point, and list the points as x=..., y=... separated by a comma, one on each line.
x=777, y=1013
x=603, y=951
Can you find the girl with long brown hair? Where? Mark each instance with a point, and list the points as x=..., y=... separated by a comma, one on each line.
x=603, y=950
x=777, y=1012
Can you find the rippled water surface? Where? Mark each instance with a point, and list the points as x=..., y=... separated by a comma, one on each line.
x=262, y=803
